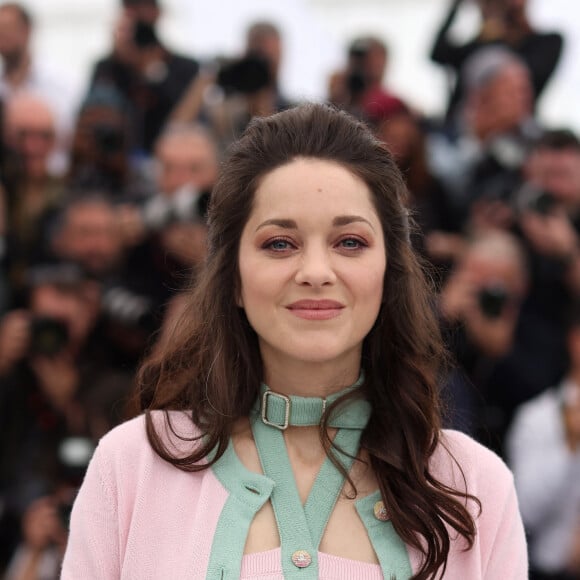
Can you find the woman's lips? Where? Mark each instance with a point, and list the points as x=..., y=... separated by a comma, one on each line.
x=315, y=309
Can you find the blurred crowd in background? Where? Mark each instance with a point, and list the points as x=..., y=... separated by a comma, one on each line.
x=103, y=224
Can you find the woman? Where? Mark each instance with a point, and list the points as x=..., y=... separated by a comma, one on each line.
x=292, y=427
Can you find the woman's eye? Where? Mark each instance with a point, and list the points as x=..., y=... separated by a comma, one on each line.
x=279, y=245
x=351, y=244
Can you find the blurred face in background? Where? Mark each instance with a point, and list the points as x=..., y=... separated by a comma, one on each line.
x=101, y=138
x=266, y=42
x=503, y=103
x=188, y=159
x=75, y=305
x=558, y=172
x=487, y=269
x=142, y=10
x=91, y=237
x=14, y=34
x=371, y=59
x=376, y=62
x=512, y=12
x=30, y=133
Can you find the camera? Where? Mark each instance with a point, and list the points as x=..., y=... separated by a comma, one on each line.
x=121, y=304
x=247, y=75
x=492, y=300
x=144, y=35
x=529, y=197
x=356, y=81
x=48, y=336
x=185, y=205
x=108, y=138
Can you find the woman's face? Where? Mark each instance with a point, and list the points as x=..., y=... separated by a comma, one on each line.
x=312, y=262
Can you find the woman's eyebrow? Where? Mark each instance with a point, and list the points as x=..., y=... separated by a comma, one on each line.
x=286, y=224
x=344, y=220
x=341, y=220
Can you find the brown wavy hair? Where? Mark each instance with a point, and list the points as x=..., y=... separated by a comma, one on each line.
x=212, y=366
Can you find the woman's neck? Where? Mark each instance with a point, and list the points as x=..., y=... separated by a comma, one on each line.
x=310, y=379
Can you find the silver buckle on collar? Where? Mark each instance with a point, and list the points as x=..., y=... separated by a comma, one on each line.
x=287, y=402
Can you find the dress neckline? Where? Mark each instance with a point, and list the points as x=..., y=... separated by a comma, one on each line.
x=268, y=564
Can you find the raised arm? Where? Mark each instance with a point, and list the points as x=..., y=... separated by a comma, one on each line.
x=444, y=51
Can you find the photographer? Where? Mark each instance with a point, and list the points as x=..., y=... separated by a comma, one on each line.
x=233, y=91
x=186, y=162
x=87, y=232
x=553, y=170
x=25, y=69
x=504, y=23
x=480, y=155
x=164, y=238
x=479, y=307
x=123, y=248
x=32, y=194
x=101, y=148
x=59, y=395
x=547, y=219
x=359, y=85
x=144, y=71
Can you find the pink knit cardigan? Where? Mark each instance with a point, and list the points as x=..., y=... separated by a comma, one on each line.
x=138, y=517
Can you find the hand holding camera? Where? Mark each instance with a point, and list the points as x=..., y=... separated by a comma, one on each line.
x=186, y=206
x=491, y=323
x=550, y=234
x=484, y=307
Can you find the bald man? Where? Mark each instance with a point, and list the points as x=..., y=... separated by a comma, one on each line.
x=30, y=132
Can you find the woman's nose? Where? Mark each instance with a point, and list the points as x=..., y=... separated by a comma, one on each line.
x=315, y=268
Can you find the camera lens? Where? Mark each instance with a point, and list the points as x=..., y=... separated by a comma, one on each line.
x=48, y=336
x=492, y=300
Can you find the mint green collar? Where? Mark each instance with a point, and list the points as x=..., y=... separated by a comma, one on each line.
x=300, y=526
x=281, y=411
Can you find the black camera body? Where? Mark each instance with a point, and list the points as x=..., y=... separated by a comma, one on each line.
x=356, y=81
x=530, y=197
x=109, y=139
x=48, y=336
x=185, y=205
x=245, y=76
x=122, y=305
x=144, y=35
x=492, y=300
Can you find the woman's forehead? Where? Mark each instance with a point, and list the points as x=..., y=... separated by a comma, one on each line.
x=306, y=186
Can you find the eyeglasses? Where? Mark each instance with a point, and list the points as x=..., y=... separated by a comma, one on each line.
x=43, y=134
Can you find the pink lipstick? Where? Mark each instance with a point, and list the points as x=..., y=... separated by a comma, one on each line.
x=316, y=309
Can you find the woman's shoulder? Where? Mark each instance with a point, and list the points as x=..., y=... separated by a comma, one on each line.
x=175, y=430
x=460, y=460
x=499, y=549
